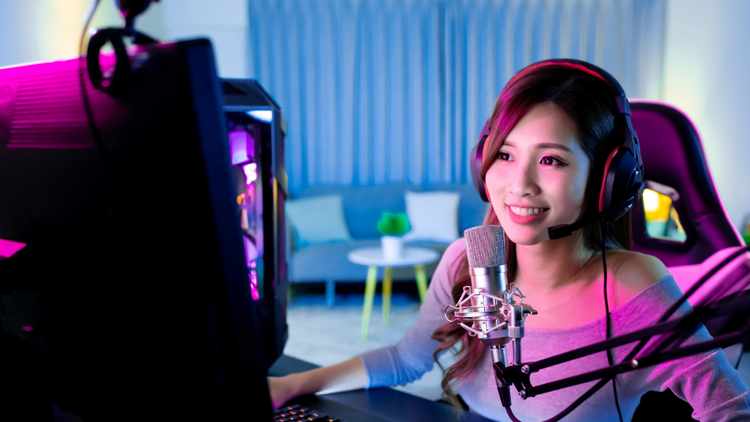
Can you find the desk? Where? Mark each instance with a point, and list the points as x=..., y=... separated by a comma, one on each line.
x=373, y=258
x=372, y=405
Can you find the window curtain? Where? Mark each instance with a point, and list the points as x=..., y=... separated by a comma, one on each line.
x=377, y=92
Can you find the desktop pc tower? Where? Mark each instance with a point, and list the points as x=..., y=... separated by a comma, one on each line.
x=256, y=131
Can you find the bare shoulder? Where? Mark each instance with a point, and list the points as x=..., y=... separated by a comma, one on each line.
x=635, y=271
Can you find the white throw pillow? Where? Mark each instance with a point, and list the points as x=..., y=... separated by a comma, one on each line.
x=318, y=220
x=433, y=216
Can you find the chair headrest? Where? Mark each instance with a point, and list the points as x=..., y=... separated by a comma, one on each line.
x=673, y=156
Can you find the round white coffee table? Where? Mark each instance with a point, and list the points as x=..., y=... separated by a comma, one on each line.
x=373, y=258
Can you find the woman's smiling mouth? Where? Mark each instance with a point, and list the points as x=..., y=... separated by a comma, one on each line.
x=527, y=211
x=525, y=215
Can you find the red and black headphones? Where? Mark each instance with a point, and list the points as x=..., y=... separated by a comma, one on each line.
x=622, y=183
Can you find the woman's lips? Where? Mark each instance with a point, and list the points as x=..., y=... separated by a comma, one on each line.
x=526, y=219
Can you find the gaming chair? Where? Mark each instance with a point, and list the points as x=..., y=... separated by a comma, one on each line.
x=675, y=165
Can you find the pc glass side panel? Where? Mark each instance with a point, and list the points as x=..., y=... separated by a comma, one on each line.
x=256, y=140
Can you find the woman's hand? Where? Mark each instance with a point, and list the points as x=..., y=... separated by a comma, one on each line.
x=344, y=376
x=282, y=389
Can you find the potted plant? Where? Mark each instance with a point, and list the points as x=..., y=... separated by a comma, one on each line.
x=392, y=227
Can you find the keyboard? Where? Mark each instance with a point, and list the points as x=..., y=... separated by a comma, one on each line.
x=296, y=412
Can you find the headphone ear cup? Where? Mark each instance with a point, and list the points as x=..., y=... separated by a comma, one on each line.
x=623, y=180
x=475, y=164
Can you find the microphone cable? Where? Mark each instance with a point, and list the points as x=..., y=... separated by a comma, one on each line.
x=84, y=94
x=98, y=140
x=100, y=146
x=608, y=321
x=606, y=224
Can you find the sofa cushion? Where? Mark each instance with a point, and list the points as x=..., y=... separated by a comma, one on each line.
x=317, y=220
x=364, y=205
x=433, y=216
x=471, y=209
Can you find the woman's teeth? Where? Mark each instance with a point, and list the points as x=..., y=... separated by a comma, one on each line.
x=526, y=211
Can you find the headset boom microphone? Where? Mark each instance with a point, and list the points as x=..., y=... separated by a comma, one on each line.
x=487, y=308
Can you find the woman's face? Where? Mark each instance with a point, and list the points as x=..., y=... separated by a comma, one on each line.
x=538, y=179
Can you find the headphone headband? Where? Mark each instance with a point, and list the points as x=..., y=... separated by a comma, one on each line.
x=621, y=100
x=589, y=68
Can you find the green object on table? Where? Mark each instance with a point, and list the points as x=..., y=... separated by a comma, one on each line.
x=746, y=236
x=393, y=224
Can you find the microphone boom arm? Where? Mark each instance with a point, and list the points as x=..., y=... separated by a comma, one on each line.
x=519, y=375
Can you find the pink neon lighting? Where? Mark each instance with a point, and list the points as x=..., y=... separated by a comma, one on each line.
x=46, y=106
x=251, y=252
x=604, y=181
x=251, y=173
x=251, y=193
x=9, y=248
x=241, y=146
x=566, y=64
x=254, y=285
x=700, y=142
x=27, y=328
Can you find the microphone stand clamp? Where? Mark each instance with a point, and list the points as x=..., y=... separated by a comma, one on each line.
x=497, y=321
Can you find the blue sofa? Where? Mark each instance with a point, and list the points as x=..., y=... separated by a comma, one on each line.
x=363, y=207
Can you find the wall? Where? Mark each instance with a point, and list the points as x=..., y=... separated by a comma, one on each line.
x=222, y=21
x=44, y=30
x=706, y=59
x=705, y=74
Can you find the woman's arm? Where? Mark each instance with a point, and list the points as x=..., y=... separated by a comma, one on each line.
x=344, y=376
x=402, y=363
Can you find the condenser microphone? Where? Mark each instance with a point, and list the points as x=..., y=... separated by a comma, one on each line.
x=485, y=251
x=487, y=308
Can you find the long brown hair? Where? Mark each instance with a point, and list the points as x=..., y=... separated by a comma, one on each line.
x=589, y=102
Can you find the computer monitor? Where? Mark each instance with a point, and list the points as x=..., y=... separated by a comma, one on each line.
x=131, y=297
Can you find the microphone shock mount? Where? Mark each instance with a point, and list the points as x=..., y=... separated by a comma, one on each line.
x=496, y=320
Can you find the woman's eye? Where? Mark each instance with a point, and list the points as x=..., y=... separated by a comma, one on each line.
x=551, y=161
x=503, y=156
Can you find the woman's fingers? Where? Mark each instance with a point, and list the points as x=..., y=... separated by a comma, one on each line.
x=280, y=390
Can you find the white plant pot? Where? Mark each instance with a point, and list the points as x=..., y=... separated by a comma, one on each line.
x=393, y=247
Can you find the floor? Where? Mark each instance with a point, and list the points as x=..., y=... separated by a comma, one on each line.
x=326, y=336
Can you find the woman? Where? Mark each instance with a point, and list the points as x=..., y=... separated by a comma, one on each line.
x=544, y=162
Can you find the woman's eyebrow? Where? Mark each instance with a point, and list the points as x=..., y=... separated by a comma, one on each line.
x=545, y=145
x=542, y=145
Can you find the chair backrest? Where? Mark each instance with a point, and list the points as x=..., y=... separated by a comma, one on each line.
x=673, y=156
x=675, y=165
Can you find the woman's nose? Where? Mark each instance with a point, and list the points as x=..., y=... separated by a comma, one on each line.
x=524, y=182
